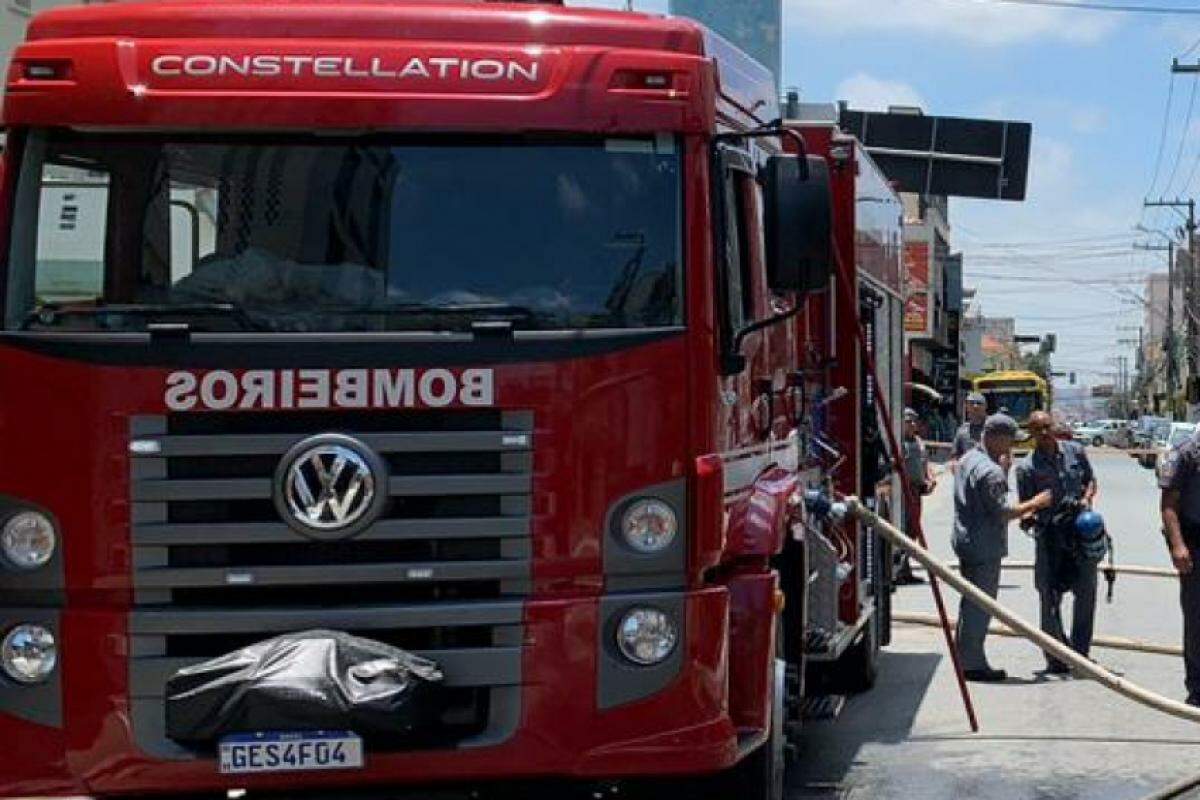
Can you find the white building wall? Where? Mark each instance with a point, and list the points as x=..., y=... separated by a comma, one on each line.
x=971, y=345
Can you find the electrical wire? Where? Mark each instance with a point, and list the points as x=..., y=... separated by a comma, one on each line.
x=1183, y=134
x=1162, y=142
x=1090, y=5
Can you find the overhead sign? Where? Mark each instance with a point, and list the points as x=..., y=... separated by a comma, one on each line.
x=945, y=374
x=950, y=156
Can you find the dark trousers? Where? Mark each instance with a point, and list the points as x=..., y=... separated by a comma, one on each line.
x=972, y=620
x=902, y=562
x=1189, y=601
x=1083, y=615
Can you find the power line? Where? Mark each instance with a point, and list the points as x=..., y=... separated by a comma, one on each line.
x=1120, y=8
x=1183, y=134
x=1162, y=139
x=1081, y=239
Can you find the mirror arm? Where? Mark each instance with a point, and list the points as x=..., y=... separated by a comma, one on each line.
x=772, y=129
x=733, y=361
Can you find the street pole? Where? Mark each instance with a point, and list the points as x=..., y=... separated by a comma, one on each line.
x=1124, y=389
x=1141, y=366
x=1189, y=279
x=1169, y=335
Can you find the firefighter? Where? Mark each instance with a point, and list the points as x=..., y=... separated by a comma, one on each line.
x=1180, y=484
x=1061, y=564
x=982, y=511
x=920, y=478
x=970, y=432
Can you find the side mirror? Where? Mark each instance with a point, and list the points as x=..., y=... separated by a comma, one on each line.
x=798, y=223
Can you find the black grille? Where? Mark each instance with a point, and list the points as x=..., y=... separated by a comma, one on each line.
x=441, y=572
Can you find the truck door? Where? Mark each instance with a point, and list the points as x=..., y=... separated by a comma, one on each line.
x=747, y=396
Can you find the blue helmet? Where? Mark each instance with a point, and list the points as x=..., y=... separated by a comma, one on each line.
x=1093, y=541
x=1089, y=524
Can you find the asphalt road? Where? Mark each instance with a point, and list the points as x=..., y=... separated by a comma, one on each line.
x=1043, y=738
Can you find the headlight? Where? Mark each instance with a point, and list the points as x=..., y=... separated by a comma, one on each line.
x=27, y=540
x=649, y=526
x=647, y=636
x=28, y=654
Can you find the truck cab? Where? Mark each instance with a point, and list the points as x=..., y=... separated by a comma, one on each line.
x=472, y=329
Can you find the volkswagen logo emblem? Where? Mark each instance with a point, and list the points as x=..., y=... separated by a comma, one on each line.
x=330, y=486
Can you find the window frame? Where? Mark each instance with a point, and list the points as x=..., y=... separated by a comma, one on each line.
x=731, y=166
x=40, y=141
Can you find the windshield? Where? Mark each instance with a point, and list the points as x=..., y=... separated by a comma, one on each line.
x=1179, y=435
x=310, y=234
x=1017, y=404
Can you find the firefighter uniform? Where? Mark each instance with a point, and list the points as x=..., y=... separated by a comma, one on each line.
x=966, y=438
x=970, y=432
x=981, y=514
x=1067, y=475
x=1181, y=473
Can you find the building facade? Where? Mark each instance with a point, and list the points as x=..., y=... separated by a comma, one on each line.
x=1161, y=364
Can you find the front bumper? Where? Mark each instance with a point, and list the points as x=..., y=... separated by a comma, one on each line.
x=570, y=721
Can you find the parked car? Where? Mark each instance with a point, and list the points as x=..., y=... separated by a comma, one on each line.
x=1111, y=432
x=1176, y=434
x=1148, y=430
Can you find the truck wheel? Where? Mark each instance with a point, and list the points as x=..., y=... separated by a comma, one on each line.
x=760, y=776
x=1097, y=441
x=858, y=667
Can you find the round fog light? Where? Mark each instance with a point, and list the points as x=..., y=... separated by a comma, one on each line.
x=649, y=526
x=28, y=654
x=647, y=636
x=27, y=540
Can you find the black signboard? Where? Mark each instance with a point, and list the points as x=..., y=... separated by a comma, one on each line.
x=951, y=156
x=945, y=374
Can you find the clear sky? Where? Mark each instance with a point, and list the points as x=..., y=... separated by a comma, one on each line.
x=1095, y=87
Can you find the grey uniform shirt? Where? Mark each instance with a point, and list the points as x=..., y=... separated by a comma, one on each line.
x=968, y=435
x=981, y=508
x=1181, y=472
x=1066, y=474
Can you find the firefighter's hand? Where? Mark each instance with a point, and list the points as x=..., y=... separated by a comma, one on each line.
x=1043, y=500
x=1181, y=557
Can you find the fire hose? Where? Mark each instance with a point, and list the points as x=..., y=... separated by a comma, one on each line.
x=1107, y=642
x=851, y=506
x=1120, y=569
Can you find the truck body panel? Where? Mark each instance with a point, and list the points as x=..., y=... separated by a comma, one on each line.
x=512, y=445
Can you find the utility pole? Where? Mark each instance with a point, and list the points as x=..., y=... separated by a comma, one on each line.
x=1131, y=387
x=1189, y=278
x=1138, y=375
x=1120, y=391
x=1168, y=343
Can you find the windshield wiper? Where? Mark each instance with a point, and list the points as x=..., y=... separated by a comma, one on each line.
x=472, y=312
x=50, y=313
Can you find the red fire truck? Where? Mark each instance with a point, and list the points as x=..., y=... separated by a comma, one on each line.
x=505, y=334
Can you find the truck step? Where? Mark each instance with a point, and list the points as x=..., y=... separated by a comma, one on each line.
x=824, y=706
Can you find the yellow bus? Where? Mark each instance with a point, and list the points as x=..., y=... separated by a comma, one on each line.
x=1017, y=393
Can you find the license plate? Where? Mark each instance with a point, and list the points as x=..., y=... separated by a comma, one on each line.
x=290, y=752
